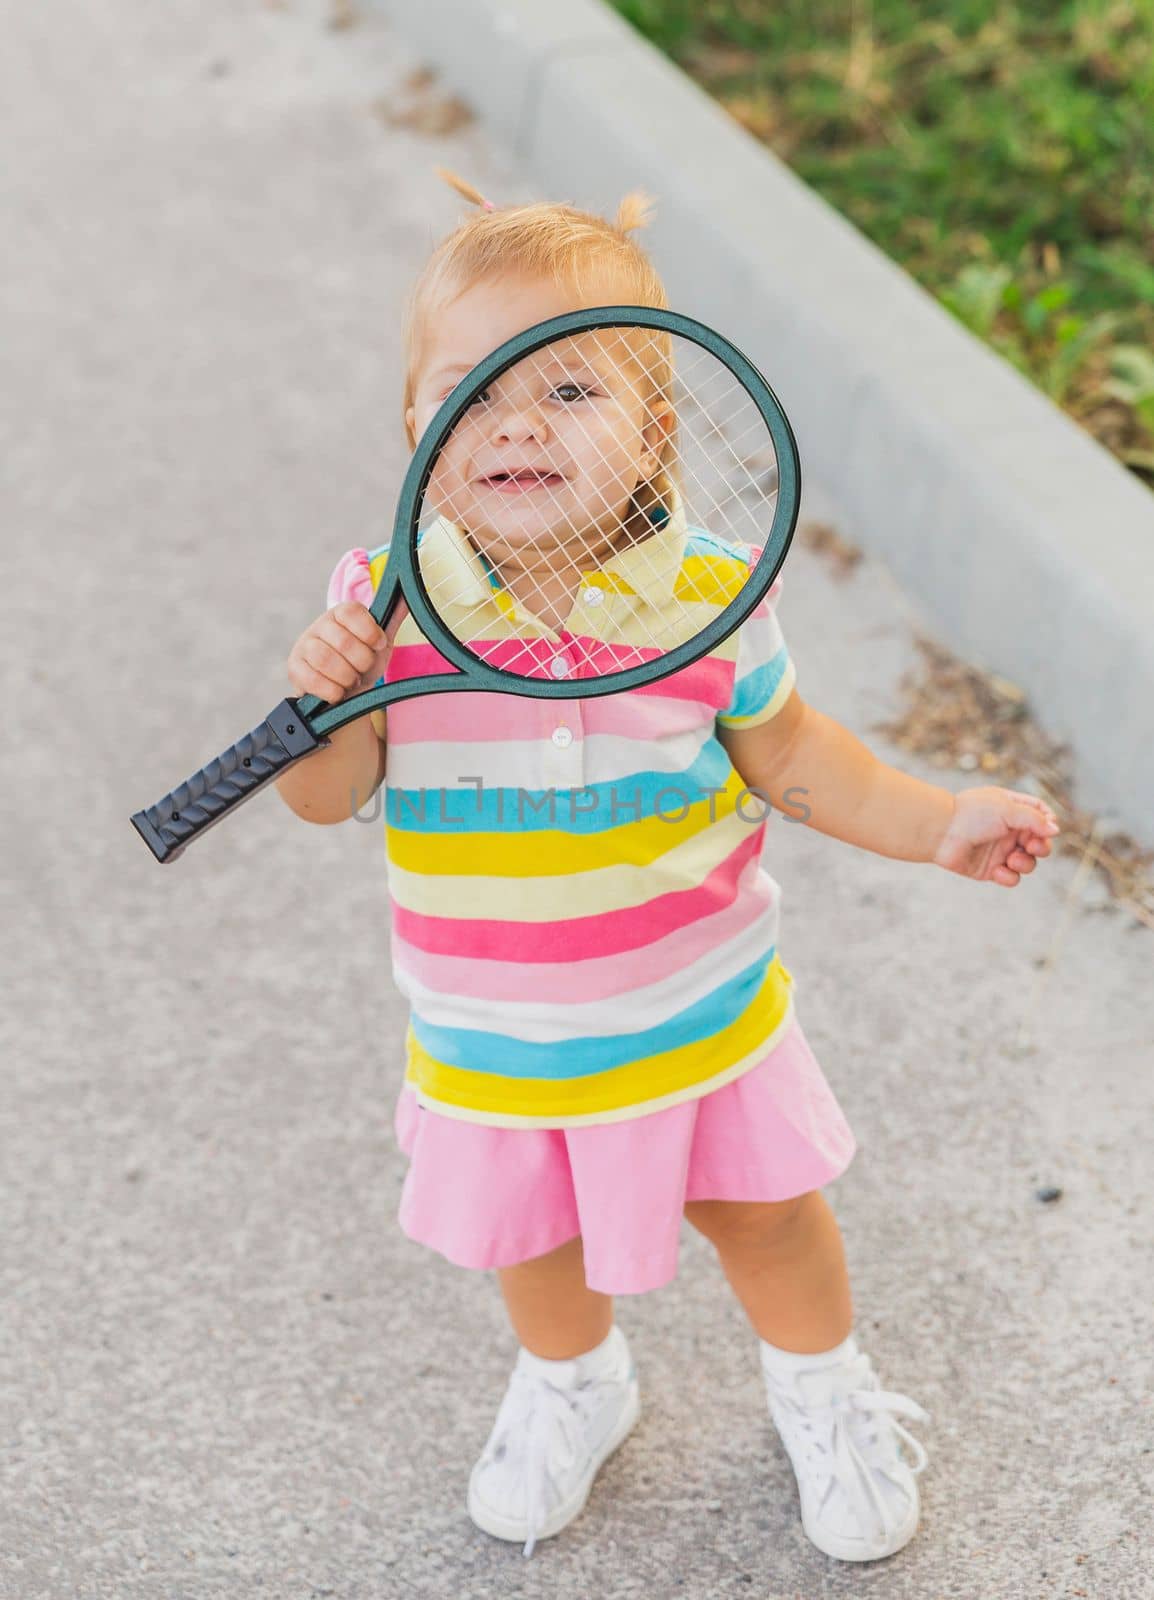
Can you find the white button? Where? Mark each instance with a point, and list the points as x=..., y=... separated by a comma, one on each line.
x=593, y=597
x=562, y=737
x=559, y=667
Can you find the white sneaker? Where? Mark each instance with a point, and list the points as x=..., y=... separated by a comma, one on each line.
x=558, y=1422
x=859, y=1497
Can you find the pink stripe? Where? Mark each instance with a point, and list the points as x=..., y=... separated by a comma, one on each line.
x=483, y=718
x=706, y=682
x=478, y=718
x=572, y=982
x=597, y=658
x=527, y=658
x=577, y=938
x=415, y=661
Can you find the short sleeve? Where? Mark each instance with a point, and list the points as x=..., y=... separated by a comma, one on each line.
x=355, y=577
x=351, y=579
x=765, y=672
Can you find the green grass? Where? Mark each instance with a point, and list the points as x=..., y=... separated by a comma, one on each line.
x=1004, y=154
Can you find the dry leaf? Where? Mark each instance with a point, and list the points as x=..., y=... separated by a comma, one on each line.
x=840, y=556
x=958, y=717
x=424, y=108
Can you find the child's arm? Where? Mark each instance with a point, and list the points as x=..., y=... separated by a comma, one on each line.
x=334, y=783
x=988, y=833
x=342, y=651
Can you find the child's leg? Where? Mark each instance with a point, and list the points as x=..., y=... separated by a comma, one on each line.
x=553, y=1313
x=786, y=1265
x=572, y=1399
x=859, y=1498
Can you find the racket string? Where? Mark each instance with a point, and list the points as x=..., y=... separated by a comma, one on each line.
x=733, y=387
x=717, y=480
x=717, y=505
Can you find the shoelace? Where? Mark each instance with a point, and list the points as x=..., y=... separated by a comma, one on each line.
x=547, y=1410
x=842, y=1416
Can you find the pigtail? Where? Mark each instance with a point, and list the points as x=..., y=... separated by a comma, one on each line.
x=464, y=189
x=635, y=211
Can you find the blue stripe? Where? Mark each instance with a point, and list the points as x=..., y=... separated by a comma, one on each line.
x=713, y=545
x=754, y=692
x=507, y=810
x=501, y=1056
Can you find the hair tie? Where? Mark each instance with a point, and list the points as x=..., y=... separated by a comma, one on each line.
x=487, y=205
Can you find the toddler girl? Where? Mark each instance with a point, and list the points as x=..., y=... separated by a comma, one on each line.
x=603, y=1037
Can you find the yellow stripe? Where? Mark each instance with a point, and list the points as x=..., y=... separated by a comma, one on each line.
x=712, y=580
x=563, y=893
x=376, y=569
x=544, y=854
x=631, y=1085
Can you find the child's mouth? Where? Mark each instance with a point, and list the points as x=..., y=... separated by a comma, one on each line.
x=522, y=482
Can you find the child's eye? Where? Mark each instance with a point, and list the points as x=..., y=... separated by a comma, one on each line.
x=572, y=391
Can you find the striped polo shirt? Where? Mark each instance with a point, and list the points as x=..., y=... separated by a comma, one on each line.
x=581, y=921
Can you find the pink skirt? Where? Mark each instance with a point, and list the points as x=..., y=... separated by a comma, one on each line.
x=489, y=1197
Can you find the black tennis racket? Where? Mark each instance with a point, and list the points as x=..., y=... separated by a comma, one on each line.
x=600, y=502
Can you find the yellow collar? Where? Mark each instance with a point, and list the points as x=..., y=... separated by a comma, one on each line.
x=452, y=565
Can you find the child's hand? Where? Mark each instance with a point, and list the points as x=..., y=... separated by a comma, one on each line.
x=996, y=835
x=342, y=652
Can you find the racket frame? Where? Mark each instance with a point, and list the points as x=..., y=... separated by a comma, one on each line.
x=402, y=576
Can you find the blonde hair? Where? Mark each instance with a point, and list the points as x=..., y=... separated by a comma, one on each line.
x=546, y=239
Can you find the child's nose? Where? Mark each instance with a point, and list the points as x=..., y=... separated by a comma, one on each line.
x=514, y=423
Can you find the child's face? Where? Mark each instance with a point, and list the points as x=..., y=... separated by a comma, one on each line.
x=544, y=463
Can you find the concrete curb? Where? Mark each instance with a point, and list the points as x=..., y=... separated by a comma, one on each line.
x=1030, y=550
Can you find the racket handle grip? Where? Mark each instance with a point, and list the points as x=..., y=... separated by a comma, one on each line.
x=281, y=740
